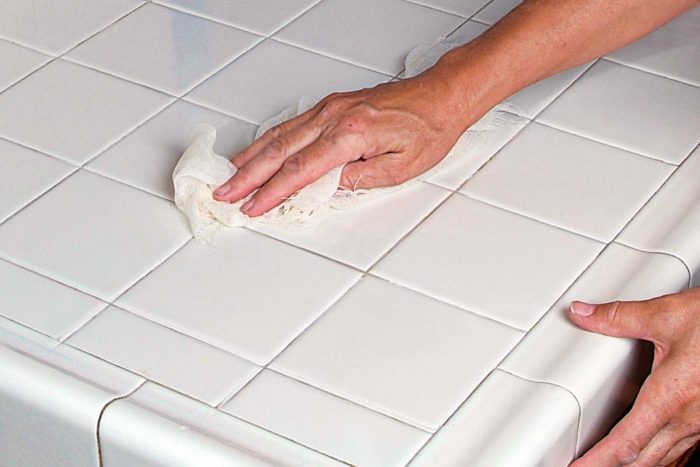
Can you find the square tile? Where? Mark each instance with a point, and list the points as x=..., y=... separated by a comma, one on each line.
x=555, y=351
x=94, y=234
x=670, y=222
x=487, y=260
x=360, y=236
x=377, y=35
x=163, y=355
x=326, y=423
x=507, y=421
x=146, y=157
x=465, y=8
x=630, y=109
x=274, y=76
x=496, y=10
x=18, y=62
x=182, y=49
x=54, y=27
x=398, y=352
x=56, y=311
x=256, y=16
x=155, y=426
x=25, y=175
x=672, y=51
x=247, y=294
x=571, y=182
x=72, y=112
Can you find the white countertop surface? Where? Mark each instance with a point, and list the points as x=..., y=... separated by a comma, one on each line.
x=427, y=328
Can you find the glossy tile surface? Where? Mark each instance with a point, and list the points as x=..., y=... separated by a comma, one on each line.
x=398, y=352
x=274, y=76
x=628, y=108
x=377, y=38
x=18, y=62
x=25, y=175
x=464, y=8
x=260, y=17
x=496, y=10
x=469, y=257
x=252, y=294
x=55, y=311
x=156, y=427
x=72, y=112
x=182, y=49
x=55, y=27
x=555, y=350
x=360, y=236
x=147, y=157
x=311, y=417
x=488, y=429
x=163, y=355
x=670, y=223
x=672, y=50
x=568, y=181
x=95, y=221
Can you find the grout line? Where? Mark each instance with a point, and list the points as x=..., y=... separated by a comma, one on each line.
x=636, y=67
x=435, y=8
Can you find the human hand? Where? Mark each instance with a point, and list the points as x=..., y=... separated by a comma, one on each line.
x=387, y=135
x=665, y=419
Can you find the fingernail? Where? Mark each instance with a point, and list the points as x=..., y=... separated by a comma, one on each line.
x=582, y=309
x=248, y=205
x=222, y=190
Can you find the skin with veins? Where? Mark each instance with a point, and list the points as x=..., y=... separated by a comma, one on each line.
x=396, y=131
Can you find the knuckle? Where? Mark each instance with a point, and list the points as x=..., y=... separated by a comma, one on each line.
x=293, y=166
x=612, y=311
x=628, y=452
x=278, y=147
x=276, y=131
x=334, y=106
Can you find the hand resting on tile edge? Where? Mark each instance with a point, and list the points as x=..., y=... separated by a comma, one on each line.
x=664, y=421
x=395, y=131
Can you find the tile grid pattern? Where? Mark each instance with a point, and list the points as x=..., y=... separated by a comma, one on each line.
x=368, y=271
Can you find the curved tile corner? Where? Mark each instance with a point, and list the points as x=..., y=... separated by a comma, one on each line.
x=670, y=223
x=556, y=351
x=536, y=421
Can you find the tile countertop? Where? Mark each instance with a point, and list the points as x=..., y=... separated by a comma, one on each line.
x=427, y=328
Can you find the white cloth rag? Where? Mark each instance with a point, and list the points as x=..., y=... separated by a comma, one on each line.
x=199, y=171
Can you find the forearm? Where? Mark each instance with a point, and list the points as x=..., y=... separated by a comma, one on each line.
x=541, y=38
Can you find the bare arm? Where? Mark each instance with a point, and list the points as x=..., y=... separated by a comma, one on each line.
x=395, y=131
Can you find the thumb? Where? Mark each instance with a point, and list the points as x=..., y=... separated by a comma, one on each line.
x=618, y=319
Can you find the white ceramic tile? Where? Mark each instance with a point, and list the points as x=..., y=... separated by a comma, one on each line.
x=360, y=236
x=326, y=423
x=568, y=181
x=374, y=34
x=464, y=8
x=274, y=76
x=248, y=294
x=146, y=158
x=670, y=223
x=496, y=10
x=18, y=62
x=260, y=17
x=163, y=355
x=48, y=413
x=25, y=175
x=673, y=50
x=631, y=109
x=471, y=163
x=55, y=27
x=508, y=421
x=534, y=98
x=94, y=234
x=55, y=311
x=156, y=427
x=398, y=352
x=489, y=261
x=182, y=49
x=72, y=112
x=603, y=372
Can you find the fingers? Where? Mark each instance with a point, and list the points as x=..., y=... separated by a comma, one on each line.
x=268, y=161
x=380, y=171
x=679, y=449
x=662, y=443
x=620, y=319
x=299, y=170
